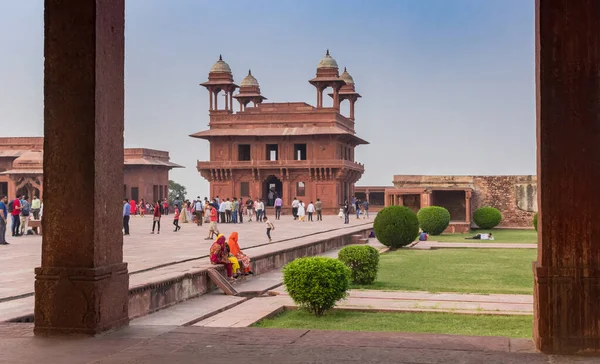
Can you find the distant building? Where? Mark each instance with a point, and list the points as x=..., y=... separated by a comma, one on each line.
x=146, y=171
x=514, y=196
x=289, y=149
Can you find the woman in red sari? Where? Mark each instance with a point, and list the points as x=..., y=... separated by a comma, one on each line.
x=234, y=249
x=219, y=255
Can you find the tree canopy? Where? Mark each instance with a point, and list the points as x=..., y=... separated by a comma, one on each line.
x=176, y=191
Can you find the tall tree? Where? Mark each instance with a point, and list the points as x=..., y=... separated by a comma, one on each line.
x=176, y=191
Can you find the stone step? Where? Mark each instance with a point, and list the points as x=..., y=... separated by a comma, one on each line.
x=221, y=282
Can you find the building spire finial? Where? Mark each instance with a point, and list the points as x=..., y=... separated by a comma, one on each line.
x=249, y=72
x=345, y=69
x=220, y=57
x=327, y=54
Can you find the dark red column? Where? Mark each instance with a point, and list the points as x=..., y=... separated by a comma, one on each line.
x=82, y=284
x=567, y=270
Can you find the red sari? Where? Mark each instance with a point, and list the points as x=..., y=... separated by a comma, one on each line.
x=218, y=254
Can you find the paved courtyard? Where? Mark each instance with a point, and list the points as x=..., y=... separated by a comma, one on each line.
x=168, y=253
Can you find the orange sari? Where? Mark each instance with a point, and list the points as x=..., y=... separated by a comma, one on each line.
x=234, y=249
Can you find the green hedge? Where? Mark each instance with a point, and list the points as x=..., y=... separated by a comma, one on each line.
x=363, y=261
x=433, y=219
x=396, y=226
x=487, y=217
x=535, y=220
x=316, y=283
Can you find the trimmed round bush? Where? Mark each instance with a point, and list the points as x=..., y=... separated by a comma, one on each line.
x=396, y=226
x=433, y=219
x=535, y=219
x=487, y=217
x=363, y=261
x=316, y=283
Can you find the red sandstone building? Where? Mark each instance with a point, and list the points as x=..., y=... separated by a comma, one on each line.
x=514, y=196
x=293, y=149
x=146, y=171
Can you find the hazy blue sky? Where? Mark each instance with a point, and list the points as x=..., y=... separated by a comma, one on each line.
x=447, y=85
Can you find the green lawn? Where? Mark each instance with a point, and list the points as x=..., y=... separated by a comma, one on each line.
x=457, y=270
x=441, y=323
x=500, y=236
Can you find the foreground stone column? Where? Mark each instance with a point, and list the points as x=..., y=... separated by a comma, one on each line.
x=567, y=270
x=82, y=285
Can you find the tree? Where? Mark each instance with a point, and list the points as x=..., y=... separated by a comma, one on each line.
x=176, y=191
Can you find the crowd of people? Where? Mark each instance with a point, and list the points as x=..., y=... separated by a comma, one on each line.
x=21, y=211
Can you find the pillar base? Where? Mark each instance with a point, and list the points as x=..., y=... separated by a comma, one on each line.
x=567, y=310
x=81, y=300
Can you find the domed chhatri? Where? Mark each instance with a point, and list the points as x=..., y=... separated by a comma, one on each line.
x=249, y=80
x=346, y=77
x=327, y=62
x=221, y=66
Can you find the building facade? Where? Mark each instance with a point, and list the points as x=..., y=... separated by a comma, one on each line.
x=514, y=196
x=287, y=149
x=146, y=171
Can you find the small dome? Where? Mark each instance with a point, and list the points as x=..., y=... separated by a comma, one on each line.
x=346, y=77
x=327, y=62
x=249, y=80
x=220, y=66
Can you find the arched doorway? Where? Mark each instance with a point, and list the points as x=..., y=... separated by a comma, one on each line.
x=271, y=189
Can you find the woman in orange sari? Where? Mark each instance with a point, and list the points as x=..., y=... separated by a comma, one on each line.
x=218, y=255
x=234, y=249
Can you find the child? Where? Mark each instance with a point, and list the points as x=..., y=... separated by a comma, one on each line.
x=270, y=227
x=176, y=219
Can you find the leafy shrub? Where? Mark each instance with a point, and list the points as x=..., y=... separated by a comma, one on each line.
x=316, y=283
x=363, y=260
x=535, y=221
x=396, y=226
x=433, y=219
x=487, y=217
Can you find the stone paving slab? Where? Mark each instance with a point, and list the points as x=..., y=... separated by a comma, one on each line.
x=164, y=344
x=187, y=312
x=426, y=245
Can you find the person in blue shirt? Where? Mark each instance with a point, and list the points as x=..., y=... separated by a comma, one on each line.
x=126, y=214
x=3, y=219
x=423, y=236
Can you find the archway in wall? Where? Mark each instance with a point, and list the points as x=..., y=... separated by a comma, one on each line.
x=272, y=188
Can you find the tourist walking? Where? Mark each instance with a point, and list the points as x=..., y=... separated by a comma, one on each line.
x=212, y=229
x=165, y=207
x=270, y=227
x=310, y=210
x=133, y=205
x=366, y=209
x=228, y=211
x=319, y=209
x=36, y=205
x=156, y=217
x=278, y=204
x=241, y=211
x=14, y=207
x=234, y=210
x=301, y=211
x=357, y=206
x=176, y=219
x=199, y=211
x=259, y=206
x=3, y=219
x=271, y=197
x=25, y=212
x=295, y=208
x=142, y=208
x=346, y=212
x=249, y=208
x=221, y=218
x=126, y=214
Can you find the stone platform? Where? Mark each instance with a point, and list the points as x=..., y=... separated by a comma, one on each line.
x=171, y=267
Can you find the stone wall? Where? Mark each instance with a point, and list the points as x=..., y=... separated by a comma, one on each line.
x=514, y=196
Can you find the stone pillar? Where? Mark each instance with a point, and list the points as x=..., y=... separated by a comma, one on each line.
x=400, y=200
x=567, y=270
x=211, y=100
x=468, y=207
x=82, y=284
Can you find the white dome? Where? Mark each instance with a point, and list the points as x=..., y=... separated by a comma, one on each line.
x=249, y=80
x=327, y=62
x=220, y=66
x=346, y=77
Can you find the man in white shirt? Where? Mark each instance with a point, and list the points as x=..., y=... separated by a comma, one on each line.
x=199, y=210
x=227, y=211
x=295, y=205
x=222, y=212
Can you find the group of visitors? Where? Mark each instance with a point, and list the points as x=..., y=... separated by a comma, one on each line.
x=360, y=207
x=229, y=254
x=21, y=211
x=300, y=210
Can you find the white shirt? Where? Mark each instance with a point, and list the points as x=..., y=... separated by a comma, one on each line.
x=222, y=207
x=295, y=203
x=301, y=210
x=310, y=208
x=227, y=205
x=261, y=206
x=198, y=206
x=484, y=236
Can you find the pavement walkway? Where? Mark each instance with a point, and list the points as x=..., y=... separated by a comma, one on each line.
x=208, y=345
